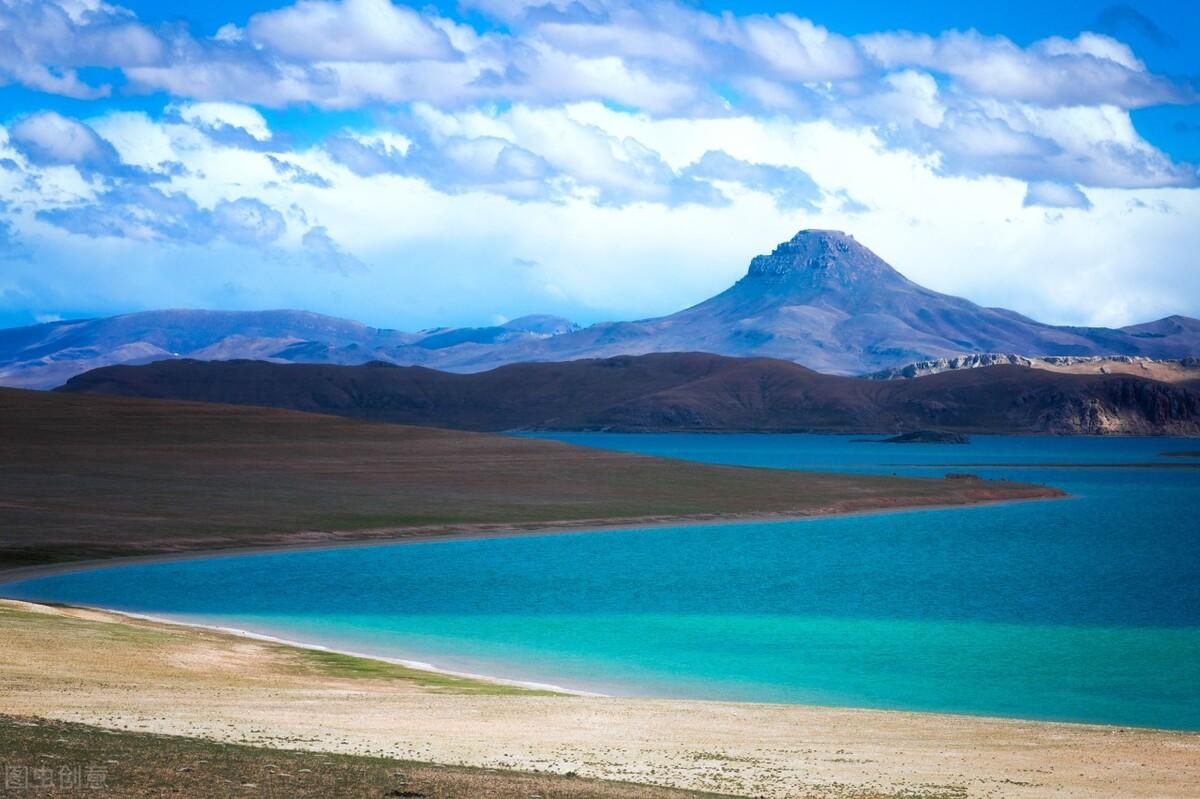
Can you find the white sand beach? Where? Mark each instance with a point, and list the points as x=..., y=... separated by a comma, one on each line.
x=124, y=673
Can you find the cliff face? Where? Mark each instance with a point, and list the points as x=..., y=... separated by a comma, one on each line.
x=1172, y=370
x=678, y=391
x=1131, y=406
x=1126, y=407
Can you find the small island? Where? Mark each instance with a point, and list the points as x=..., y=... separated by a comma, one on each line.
x=927, y=437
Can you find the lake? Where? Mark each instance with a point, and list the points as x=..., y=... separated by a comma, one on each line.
x=1084, y=609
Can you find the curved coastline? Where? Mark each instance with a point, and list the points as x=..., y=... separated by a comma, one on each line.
x=566, y=691
x=777, y=751
x=22, y=574
x=419, y=665
x=433, y=535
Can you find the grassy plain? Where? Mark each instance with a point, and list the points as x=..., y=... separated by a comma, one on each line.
x=86, y=477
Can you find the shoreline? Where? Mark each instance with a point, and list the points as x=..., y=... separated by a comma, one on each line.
x=418, y=665
x=421, y=665
x=487, y=531
x=565, y=691
x=10, y=576
x=203, y=682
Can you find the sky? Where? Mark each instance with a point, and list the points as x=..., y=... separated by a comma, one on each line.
x=466, y=163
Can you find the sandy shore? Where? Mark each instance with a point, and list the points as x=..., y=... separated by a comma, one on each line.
x=418, y=665
x=114, y=671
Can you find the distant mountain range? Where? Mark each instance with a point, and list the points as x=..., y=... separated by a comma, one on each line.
x=821, y=299
x=677, y=391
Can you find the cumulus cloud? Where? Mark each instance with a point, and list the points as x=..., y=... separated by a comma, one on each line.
x=526, y=154
x=50, y=139
x=484, y=163
x=791, y=187
x=351, y=30
x=324, y=253
x=133, y=212
x=984, y=104
x=611, y=233
x=796, y=49
x=147, y=213
x=43, y=43
x=367, y=156
x=230, y=124
x=979, y=102
x=600, y=121
x=1089, y=70
x=294, y=173
x=247, y=221
x=1046, y=194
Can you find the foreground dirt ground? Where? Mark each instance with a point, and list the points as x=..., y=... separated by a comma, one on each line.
x=46, y=759
x=103, y=669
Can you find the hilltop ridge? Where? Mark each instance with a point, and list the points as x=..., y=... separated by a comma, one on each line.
x=676, y=392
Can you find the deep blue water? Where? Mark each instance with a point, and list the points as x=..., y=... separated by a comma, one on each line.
x=1082, y=609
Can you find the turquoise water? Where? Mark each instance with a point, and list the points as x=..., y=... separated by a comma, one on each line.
x=1083, y=609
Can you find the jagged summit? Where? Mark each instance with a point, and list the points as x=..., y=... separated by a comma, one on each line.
x=821, y=258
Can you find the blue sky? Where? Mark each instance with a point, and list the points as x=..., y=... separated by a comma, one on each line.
x=464, y=163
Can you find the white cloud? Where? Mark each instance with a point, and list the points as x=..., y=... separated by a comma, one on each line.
x=349, y=30
x=610, y=158
x=1102, y=47
x=1089, y=70
x=1047, y=194
x=325, y=253
x=51, y=138
x=43, y=43
x=232, y=115
x=1055, y=110
x=627, y=40
x=904, y=98
x=797, y=49
x=248, y=221
x=579, y=251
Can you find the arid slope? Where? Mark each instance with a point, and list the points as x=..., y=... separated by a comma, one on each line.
x=678, y=391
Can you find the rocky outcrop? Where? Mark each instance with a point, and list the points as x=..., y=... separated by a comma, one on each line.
x=1168, y=370
x=938, y=365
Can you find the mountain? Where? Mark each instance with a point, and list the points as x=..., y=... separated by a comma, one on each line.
x=826, y=301
x=676, y=391
x=820, y=299
x=46, y=355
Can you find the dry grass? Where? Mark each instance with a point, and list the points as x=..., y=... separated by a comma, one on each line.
x=45, y=644
x=91, y=477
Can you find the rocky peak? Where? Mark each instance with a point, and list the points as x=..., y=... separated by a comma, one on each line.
x=821, y=258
